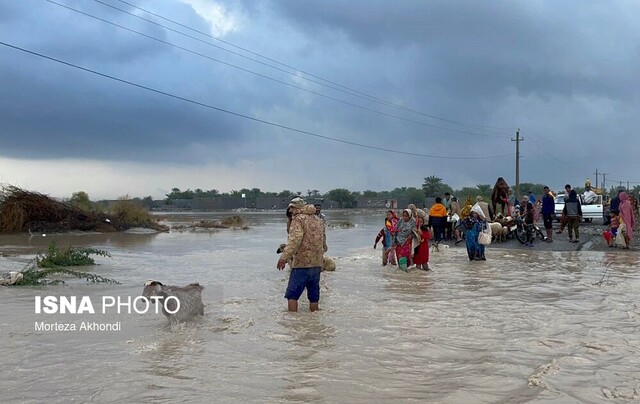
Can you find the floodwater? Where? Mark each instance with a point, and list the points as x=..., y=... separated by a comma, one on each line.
x=524, y=326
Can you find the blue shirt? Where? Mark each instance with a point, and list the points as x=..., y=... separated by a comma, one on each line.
x=548, y=205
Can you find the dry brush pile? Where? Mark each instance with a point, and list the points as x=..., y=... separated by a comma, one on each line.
x=22, y=210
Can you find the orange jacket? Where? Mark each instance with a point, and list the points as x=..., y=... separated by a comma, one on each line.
x=438, y=210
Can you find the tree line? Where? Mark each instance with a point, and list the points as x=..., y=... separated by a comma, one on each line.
x=431, y=187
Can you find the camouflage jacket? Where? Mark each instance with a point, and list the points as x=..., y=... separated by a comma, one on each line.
x=307, y=241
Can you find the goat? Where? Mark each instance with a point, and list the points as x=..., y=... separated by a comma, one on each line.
x=11, y=278
x=498, y=231
x=328, y=264
x=190, y=298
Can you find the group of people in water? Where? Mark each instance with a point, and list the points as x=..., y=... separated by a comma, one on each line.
x=406, y=239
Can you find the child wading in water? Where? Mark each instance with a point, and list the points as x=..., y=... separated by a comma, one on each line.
x=613, y=229
x=421, y=257
x=387, y=234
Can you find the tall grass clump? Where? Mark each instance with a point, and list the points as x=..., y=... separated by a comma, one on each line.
x=131, y=212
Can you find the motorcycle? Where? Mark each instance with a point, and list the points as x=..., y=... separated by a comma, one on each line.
x=520, y=231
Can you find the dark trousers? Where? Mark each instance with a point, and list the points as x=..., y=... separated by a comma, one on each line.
x=438, y=224
x=573, y=223
x=448, y=230
x=529, y=232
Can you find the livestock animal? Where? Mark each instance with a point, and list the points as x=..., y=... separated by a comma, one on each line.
x=500, y=195
x=507, y=223
x=328, y=264
x=10, y=278
x=190, y=298
x=498, y=231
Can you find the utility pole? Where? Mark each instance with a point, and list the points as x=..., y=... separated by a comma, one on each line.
x=596, y=178
x=518, y=139
x=604, y=177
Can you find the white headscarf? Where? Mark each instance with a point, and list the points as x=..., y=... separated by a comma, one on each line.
x=476, y=208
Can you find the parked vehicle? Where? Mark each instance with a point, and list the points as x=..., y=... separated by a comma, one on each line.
x=521, y=231
x=589, y=211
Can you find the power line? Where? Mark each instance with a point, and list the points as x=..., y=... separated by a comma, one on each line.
x=564, y=162
x=548, y=153
x=265, y=76
x=277, y=125
x=334, y=86
x=623, y=182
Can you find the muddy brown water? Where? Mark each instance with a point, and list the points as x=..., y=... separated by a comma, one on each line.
x=524, y=326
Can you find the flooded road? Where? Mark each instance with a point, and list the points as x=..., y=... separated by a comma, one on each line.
x=523, y=326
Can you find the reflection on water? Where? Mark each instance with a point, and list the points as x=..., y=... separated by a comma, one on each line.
x=524, y=326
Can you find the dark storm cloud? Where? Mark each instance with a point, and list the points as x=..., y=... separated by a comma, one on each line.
x=79, y=114
x=51, y=110
x=485, y=47
x=556, y=69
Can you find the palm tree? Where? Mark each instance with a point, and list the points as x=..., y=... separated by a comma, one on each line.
x=485, y=190
x=432, y=185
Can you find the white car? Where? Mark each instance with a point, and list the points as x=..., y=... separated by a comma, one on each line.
x=591, y=211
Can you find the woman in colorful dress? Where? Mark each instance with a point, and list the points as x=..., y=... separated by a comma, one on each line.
x=474, y=224
x=626, y=213
x=404, y=239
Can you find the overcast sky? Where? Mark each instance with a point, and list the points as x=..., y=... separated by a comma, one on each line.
x=359, y=94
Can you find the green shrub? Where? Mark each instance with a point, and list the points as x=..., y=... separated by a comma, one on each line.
x=32, y=276
x=56, y=262
x=68, y=257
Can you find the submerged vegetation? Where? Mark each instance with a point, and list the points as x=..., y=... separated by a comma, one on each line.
x=32, y=276
x=57, y=261
x=234, y=221
x=68, y=257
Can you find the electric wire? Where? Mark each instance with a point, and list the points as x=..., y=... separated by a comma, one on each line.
x=237, y=114
x=268, y=77
x=622, y=182
x=549, y=156
x=546, y=155
x=349, y=91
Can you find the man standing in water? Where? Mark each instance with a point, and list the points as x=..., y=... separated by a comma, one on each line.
x=306, y=245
